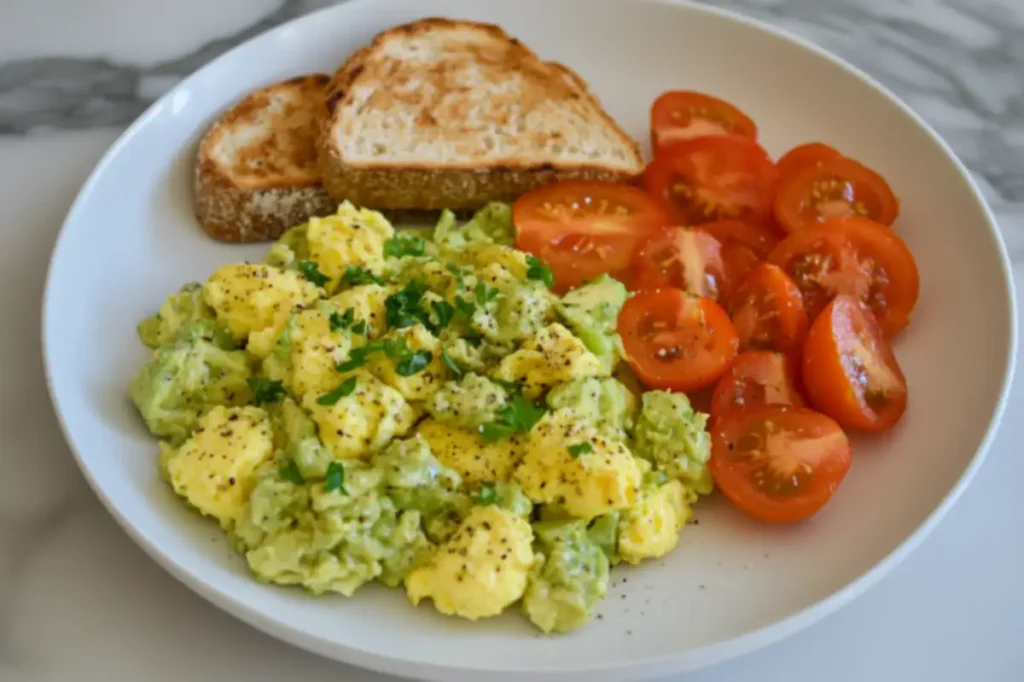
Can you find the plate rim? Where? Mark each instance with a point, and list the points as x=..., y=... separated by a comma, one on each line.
x=687, y=660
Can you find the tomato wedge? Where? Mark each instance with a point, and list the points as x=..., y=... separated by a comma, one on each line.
x=768, y=311
x=758, y=238
x=836, y=188
x=584, y=229
x=850, y=372
x=680, y=258
x=675, y=340
x=810, y=154
x=855, y=256
x=712, y=178
x=682, y=115
x=756, y=377
x=778, y=463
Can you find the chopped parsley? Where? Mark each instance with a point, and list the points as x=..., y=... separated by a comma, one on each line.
x=405, y=245
x=460, y=281
x=344, y=388
x=311, y=271
x=484, y=293
x=335, y=478
x=444, y=312
x=408, y=361
x=265, y=390
x=539, y=271
x=452, y=366
x=464, y=308
x=414, y=362
x=511, y=386
x=487, y=494
x=355, y=275
x=359, y=327
x=340, y=321
x=517, y=417
x=402, y=308
x=290, y=472
x=583, y=448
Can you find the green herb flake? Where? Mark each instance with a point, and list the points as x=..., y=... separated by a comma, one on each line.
x=539, y=271
x=311, y=271
x=487, y=494
x=413, y=362
x=359, y=327
x=484, y=293
x=519, y=416
x=290, y=472
x=511, y=386
x=452, y=366
x=341, y=321
x=405, y=245
x=355, y=275
x=344, y=388
x=583, y=448
x=444, y=311
x=335, y=478
x=266, y=390
x=402, y=308
x=460, y=281
x=464, y=308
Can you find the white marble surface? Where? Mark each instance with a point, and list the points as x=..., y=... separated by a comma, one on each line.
x=78, y=601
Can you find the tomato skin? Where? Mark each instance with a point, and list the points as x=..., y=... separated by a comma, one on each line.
x=681, y=115
x=680, y=258
x=778, y=484
x=833, y=189
x=811, y=153
x=768, y=312
x=846, y=338
x=758, y=238
x=583, y=229
x=756, y=377
x=675, y=340
x=853, y=256
x=712, y=178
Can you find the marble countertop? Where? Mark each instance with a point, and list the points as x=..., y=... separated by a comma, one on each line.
x=79, y=601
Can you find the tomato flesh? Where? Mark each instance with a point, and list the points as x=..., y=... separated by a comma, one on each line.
x=756, y=377
x=778, y=463
x=676, y=340
x=850, y=372
x=768, y=311
x=680, y=258
x=758, y=238
x=838, y=188
x=682, y=115
x=712, y=178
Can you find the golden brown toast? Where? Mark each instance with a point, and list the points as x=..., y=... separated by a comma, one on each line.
x=256, y=173
x=444, y=113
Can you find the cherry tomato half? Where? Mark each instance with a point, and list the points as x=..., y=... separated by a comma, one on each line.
x=758, y=238
x=756, y=377
x=680, y=258
x=584, y=229
x=712, y=178
x=837, y=188
x=810, y=154
x=850, y=372
x=778, y=463
x=676, y=340
x=854, y=256
x=768, y=312
x=681, y=115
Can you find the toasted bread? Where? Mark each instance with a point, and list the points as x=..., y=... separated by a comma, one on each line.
x=256, y=173
x=442, y=113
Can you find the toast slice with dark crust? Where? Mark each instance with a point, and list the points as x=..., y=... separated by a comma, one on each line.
x=256, y=173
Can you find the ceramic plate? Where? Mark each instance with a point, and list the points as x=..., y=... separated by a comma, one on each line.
x=731, y=585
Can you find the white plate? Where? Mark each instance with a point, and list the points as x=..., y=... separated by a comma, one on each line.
x=732, y=585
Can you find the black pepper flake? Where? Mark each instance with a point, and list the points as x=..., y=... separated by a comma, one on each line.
x=233, y=417
x=231, y=480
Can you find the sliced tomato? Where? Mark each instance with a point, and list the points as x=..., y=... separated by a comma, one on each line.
x=584, y=229
x=837, y=188
x=682, y=115
x=676, y=340
x=758, y=238
x=712, y=178
x=855, y=256
x=768, y=311
x=810, y=154
x=679, y=258
x=850, y=372
x=756, y=377
x=778, y=463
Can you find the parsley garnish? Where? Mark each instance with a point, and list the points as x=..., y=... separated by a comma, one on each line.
x=344, y=388
x=517, y=417
x=311, y=271
x=473, y=339
x=539, y=271
x=409, y=362
x=511, y=386
x=413, y=362
x=460, y=282
x=355, y=275
x=405, y=245
x=484, y=293
x=464, y=308
x=583, y=448
x=452, y=366
x=487, y=494
x=403, y=307
x=290, y=472
x=359, y=327
x=444, y=312
x=341, y=321
x=335, y=478
x=265, y=390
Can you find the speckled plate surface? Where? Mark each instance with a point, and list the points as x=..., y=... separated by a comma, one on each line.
x=731, y=585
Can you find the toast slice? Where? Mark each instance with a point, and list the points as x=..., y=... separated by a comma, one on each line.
x=452, y=114
x=256, y=173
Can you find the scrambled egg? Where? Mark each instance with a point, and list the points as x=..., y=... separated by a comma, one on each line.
x=214, y=468
x=365, y=420
x=475, y=459
x=256, y=301
x=315, y=352
x=651, y=528
x=604, y=478
x=553, y=356
x=481, y=569
x=367, y=304
x=352, y=236
x=425, y=382
x=483, y=255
